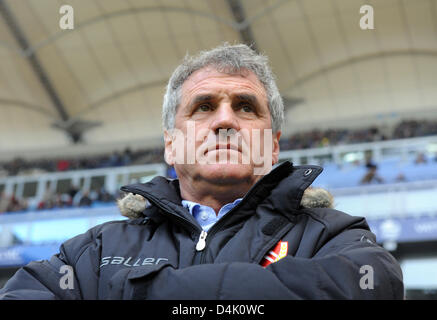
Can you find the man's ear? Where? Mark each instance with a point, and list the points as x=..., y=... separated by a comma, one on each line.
x=275, y=152
x=168, y=148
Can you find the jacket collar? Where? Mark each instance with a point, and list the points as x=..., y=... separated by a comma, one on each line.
x=287, y=194
x=285, y=183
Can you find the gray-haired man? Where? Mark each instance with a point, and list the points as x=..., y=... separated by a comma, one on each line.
x=221, y=230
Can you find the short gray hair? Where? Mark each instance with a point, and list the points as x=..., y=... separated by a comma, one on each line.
x=229, y=59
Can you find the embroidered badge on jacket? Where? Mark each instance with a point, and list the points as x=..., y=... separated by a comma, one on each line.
x=276, y=254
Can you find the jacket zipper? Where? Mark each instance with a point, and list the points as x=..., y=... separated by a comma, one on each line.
x=201, y=244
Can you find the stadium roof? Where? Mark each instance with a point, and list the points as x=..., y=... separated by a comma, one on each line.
x=102, y=82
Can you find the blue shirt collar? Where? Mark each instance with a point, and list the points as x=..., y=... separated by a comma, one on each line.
x=205, y=215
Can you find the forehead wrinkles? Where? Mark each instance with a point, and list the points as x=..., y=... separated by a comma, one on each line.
x=206, y=80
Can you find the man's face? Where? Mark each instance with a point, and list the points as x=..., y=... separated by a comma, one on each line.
x=214, y=103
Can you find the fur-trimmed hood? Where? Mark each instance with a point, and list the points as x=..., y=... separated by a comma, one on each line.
x=132, y=205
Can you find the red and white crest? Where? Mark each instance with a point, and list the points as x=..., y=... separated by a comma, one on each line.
x=277, y=253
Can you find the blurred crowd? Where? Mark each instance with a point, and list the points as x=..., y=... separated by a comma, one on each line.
x=331, y=137
x=311, y=139
x=75, y=197
x=414, y=128
x=12, y=203
x=20, y=166
x=53, y=200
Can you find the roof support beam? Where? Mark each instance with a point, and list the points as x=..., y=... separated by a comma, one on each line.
x=36, y=66
x=246, y=34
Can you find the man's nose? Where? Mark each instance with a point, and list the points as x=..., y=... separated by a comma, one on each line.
x=224, y=118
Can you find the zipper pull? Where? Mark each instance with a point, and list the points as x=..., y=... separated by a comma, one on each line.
x=201, y=243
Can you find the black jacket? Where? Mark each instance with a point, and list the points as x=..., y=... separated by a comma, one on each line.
x=330, y=255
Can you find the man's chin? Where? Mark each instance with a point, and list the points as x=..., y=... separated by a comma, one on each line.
x=226, y=173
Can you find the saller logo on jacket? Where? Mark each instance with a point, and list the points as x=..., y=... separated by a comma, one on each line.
x=128, y=261
x=276, y=254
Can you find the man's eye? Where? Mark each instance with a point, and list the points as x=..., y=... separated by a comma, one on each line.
x=247, y=108
x=204, y=107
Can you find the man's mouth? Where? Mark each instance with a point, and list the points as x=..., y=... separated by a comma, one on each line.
x=228, y=146
x=219, y=147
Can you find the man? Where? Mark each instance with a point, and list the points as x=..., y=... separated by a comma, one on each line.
x=229, y=227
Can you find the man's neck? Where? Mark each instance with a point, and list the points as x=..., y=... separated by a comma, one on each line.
x=212, y=195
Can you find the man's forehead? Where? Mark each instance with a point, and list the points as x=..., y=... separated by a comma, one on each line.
x=210, y=72
x=210, y=77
